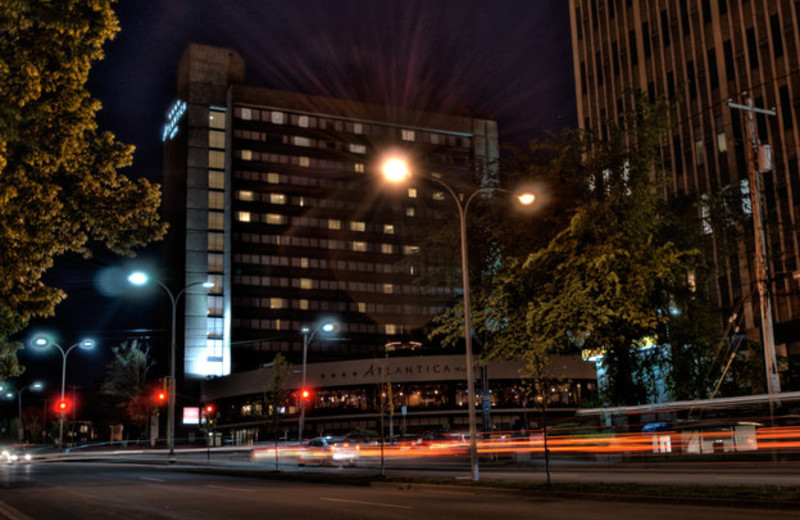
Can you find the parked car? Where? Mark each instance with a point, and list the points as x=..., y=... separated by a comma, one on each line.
x=329, y=450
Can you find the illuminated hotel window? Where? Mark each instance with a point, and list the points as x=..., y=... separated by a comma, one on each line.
x=438, y=195
x=247, y=155
x=334, y=223
x=273, y=178
x=358, y=128
x=357, y=226
x=407, y=135
x=306, y=283
x=434, y=138
x=409, y=212
x=360, y=246
x=216, y=200
x=215, y=241
x=304, y=263
x=362, y=307
x=390, y=328
x=388, y=288
x=305, y=162
x=387, y=249
x=277, y=303
x=247, y=114
x=216, y=159
x=215, y=220
x=215, y=262
x=303, y=305
x=410, y=250
x=216, y=119
x=217, y=281
x=215, y=304
x=245, y=195
x=302, y=121
x=274, y=218
x=277, y=198
x=216, y=180
x=216, y=139
x=358, y=148
x=359, y=167
x=243, y=216
x=301, y=141
x=699, y=152
x=276, y=118
x=214, y=326
x=388, y=229
x=722, y=142
x=412, y=193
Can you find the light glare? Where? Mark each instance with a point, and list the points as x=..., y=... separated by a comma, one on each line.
x=396, y=170
x=137, y=278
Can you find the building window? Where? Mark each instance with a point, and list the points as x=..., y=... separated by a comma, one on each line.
x=358, y=128
x=214, y=327
x=243, y=216
x=362, y=307
x=275, y=219
x=276, y=118
x=215, y=262
x=438, y=195
x=216, y=119
x=388, y=229
x=388, y=288
x=358, y=148
x=358, y=226
x=334, y=223
x=409, y=212
x=277, y=303
x=245, y=195
x=277, y=198
x=246, y=155
x=216, y=220
x=216, y=241
x=246, y=114
x=390, y=328
x=303, y=304
x=301, y=141
x=302, y=121
x=410, y=250
x=722, y=142
x=407, y=135
x=273, y=178
x=306, y=283
x=387, y=249
x=359, y=167
x=359, y=246
x=216, y=180
x=216, y=200
x=412, y=193
x=305, y=162
x=216, y=159
x=215, y=305
x=216, y=139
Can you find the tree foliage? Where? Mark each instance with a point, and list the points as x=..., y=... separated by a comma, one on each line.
x=127, y=382
x=60, y=184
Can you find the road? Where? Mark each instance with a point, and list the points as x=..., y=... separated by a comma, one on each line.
x=67, y=491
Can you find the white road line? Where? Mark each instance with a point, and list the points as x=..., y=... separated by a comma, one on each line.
x=377, y=504
x=153, y=479
x=246, y=490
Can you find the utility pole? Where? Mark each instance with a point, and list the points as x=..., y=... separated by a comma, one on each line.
x=754, y=178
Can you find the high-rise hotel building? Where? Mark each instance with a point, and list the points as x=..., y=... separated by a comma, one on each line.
x=276, y=198
x=703, y=54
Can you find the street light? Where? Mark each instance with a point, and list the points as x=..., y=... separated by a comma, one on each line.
x=42, y=342
x=308, y=335
x=396, y=170
x=10, y=392
x=141, y=278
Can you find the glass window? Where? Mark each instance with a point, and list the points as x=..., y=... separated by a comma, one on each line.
x=302, y=121
x=245, y=195
x=410, y=250
x=305, y=162
x=216, y=200
x=215, y=304
x=388, y=288
x=359, y=168
x=277, y=198
x=216, y=159
x=277, y=303
x=216, y=119
x=407, y=135
x=276, y=118
x=247, y=113
x=246, y=155
x=387, y=249
x=334, y=223
x=274, y=218
x=301, y=141
x=412, y=193
x=359, y=246
x=409, y=212
x=273, y=178
x=388, y=229
x=358, y=128
x=306, y=283
x=244, y=216
x=217, y=281
x=358, y=148
x=303, y=304
x=722, y=142
x=216, y=180
x=390, y=328
x=357, y=226
x=215, y=262
x=362, y=307
x=214, y=326
x=699, y=155
x=216, y=241
x=215, y=220
x=438, y=195
x=216, y=139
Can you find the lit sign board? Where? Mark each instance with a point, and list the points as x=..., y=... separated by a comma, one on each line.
x=174, y=116
x=191, y=415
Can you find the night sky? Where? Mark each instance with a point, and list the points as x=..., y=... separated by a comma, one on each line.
x=509, y=58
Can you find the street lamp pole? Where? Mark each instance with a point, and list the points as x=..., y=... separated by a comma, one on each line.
x=140, y=278
x=43, y=342
x=308, y=335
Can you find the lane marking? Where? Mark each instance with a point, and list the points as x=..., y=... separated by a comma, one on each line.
x=246, y=490
x=153, y=479
x=377, y=504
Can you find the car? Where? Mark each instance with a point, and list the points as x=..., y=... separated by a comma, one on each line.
x=329, y=450
x=15, y=455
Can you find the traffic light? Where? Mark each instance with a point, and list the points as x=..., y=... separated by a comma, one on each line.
x=63, y=406
x=162, y=394
x=210, y=409
x=305, y=394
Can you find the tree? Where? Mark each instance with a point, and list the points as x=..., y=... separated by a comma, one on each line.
x=127, y=383
x=275, y=396
x=61, y=187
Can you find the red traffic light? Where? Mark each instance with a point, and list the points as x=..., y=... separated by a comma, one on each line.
x=62, y=406
x=161, y=396
x=210, y=409
x=305, y=393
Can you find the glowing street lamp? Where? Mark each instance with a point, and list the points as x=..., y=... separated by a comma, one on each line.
x=396, y=170
x=10, y=393
x=308, y=335
x=140, y=278
x=43, y=342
